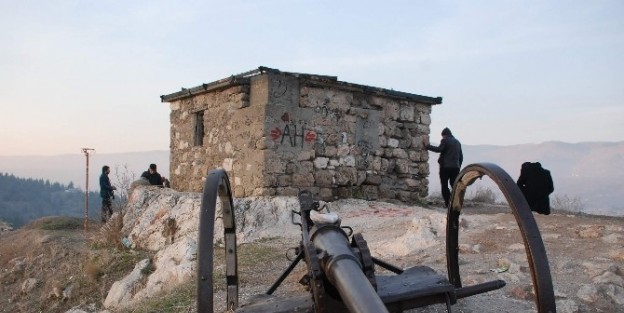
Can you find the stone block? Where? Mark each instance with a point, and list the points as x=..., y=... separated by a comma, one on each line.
x=321, y=163
x=404, y=196
x=406, y=113
x=376, y=165
x=414, y=156
x=291, y=168
x=399, y=153
x=326, y=194
x=287, y=191
x=412, y=184
x=383, y=141
x=306, y=155
x=393, y=143
x=239, y=192
x=391, y=111
x=331, y=151
x=386, y=166
x=370, y=192
x=346, y=176
x=372, y=179
x=386, y=192
x=344, y=192
x=348, y=160
x=324, y=178
x=361, y=177
x=305, y=167
x=343, y=150
x=284, y=180
x=303, y=180
x=425, y=119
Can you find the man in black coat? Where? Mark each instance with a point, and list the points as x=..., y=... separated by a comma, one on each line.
x=152, y=176
x=450, y=160
x=106, y=193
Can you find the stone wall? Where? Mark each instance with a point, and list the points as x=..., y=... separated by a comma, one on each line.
x=280, y=133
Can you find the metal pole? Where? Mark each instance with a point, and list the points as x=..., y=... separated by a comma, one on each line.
x=86, y=221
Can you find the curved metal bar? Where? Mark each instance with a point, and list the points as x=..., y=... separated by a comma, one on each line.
x=534, y=246
x=217, y=185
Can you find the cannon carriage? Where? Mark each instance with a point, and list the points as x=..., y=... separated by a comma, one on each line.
x=341, y=272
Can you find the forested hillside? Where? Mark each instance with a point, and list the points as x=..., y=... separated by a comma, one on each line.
x=23, y=200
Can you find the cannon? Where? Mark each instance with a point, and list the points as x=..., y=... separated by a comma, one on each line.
x=340, y=274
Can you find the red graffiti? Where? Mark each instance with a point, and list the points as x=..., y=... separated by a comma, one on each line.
x=286, y=117
x=276, y=133
x=310, y=136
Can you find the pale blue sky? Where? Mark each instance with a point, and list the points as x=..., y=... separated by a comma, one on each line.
x=89, y=73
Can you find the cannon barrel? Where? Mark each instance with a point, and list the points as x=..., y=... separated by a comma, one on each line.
x=344, y=270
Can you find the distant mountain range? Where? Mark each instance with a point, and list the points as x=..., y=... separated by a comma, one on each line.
x=588, y=171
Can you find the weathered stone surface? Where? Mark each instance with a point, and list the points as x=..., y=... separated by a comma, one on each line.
x=393, y=143
x=321, y=163
x=372, y=179
x=121, y=294
x=324, y=178
x=265, y=127
x=370, y=192
x=406, y=113
x=346, y=176
x=302, y=180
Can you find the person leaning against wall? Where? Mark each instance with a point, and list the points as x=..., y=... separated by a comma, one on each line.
x=450, y=161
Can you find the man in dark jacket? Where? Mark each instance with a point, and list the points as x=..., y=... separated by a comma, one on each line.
x=450, y=160
x=106, y=193
x=152, y=176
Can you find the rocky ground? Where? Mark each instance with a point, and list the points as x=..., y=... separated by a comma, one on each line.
x=54, y=270
x=586, y=254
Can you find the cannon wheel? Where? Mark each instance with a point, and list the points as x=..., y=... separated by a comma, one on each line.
x=217, y=184
x=534, y=246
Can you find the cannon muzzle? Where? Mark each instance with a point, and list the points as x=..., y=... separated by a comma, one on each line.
x=344, y=270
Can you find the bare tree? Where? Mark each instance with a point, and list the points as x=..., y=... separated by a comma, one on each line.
x=123, y=181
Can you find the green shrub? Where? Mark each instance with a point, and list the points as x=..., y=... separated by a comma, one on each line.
x=61, y=223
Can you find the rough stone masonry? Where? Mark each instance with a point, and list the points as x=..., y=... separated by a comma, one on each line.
x=276, y=133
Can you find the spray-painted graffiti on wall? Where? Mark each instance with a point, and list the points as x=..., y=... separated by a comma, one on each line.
x=294, y=133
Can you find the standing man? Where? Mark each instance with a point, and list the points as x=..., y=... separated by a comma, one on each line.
x=152, y=176
x=106, y=193
x=450, y=160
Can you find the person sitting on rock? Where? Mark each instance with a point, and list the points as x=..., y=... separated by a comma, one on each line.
x=152, y=176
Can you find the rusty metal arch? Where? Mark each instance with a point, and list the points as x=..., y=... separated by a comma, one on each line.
x=534, y=246
x=217, y=185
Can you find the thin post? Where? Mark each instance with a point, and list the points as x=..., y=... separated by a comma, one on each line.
x=86, y=152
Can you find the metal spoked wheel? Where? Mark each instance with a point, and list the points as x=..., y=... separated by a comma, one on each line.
x=217, y=185
x=534, y=246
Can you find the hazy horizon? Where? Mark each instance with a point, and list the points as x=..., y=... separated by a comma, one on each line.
x=583, y=170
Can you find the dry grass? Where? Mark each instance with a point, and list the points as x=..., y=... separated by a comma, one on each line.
x=71, y=270
x=567, y=203
x=92, y=270
x=110, y=234
x=484, y=195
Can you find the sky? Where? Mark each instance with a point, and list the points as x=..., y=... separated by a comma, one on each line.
x=76, y=74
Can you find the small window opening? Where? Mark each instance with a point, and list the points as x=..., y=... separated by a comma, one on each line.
x=199, y=128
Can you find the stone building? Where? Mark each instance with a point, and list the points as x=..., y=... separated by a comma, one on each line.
x=277, y=133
